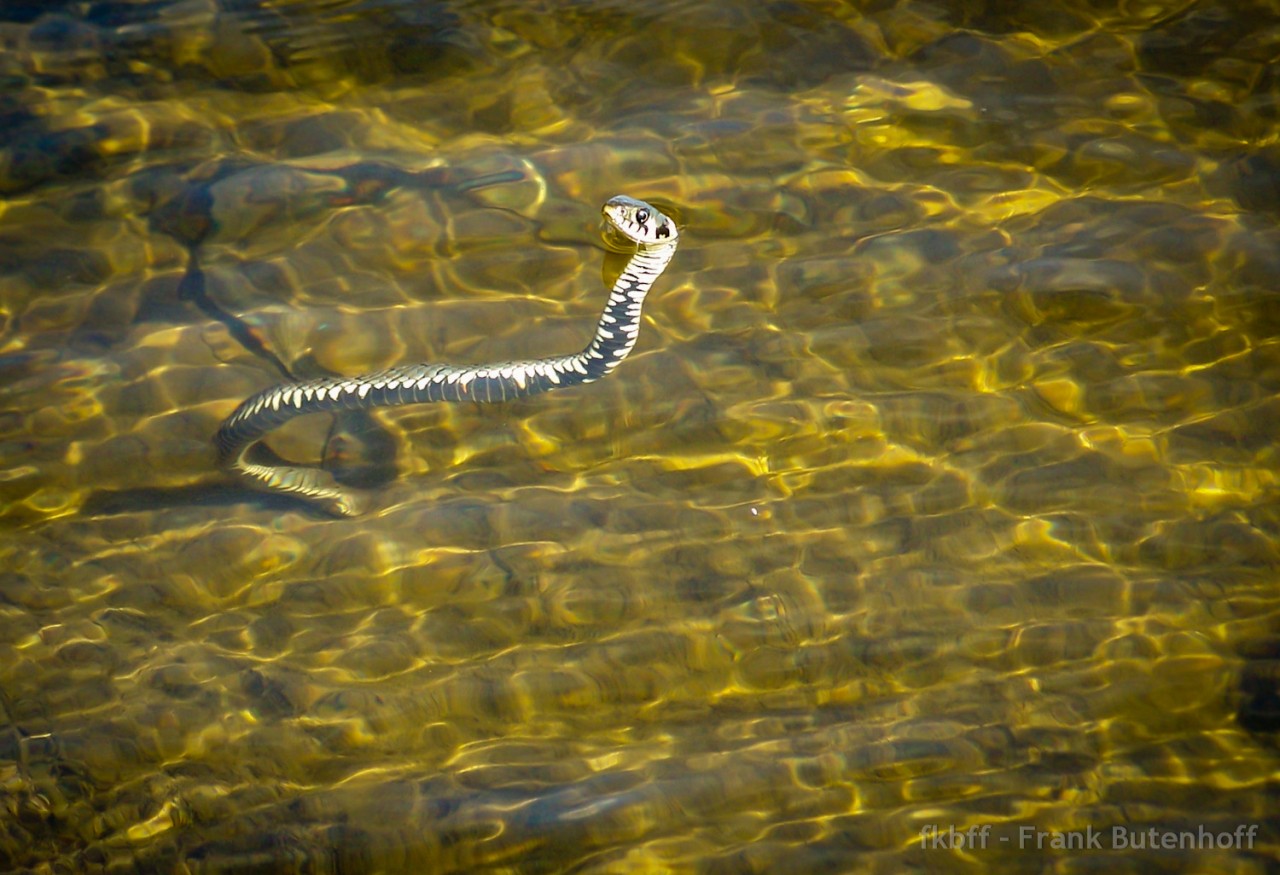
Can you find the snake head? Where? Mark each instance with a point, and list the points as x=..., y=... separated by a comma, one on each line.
x=640, y=222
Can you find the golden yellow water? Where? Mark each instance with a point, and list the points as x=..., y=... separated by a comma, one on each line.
x=939, y=497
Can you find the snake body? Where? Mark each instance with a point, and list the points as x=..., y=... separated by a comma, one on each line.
x=655, y=237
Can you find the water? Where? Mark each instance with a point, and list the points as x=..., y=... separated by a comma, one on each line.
x=933, y=524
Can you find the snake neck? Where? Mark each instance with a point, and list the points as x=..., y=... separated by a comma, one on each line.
x=619, y=324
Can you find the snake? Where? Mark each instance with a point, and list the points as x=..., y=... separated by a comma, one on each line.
x=654, y=236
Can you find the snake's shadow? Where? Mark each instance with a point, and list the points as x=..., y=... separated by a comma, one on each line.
x=359, y=453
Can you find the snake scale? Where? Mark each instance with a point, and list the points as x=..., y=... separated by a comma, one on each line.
x=655, y=237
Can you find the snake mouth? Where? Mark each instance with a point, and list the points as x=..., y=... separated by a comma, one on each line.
x=615, y=240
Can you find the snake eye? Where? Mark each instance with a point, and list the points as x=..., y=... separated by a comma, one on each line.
x=642, y=216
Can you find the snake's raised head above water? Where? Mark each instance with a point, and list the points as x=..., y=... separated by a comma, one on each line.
x=639, y=222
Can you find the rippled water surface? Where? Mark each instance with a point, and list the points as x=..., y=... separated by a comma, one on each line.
x=940, y=492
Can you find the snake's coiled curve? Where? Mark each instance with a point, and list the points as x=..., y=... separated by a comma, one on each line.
x=655, y=237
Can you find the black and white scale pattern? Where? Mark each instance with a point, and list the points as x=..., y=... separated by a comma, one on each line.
x=656, y=238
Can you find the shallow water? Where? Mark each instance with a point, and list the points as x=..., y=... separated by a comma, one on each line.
x=940, y=492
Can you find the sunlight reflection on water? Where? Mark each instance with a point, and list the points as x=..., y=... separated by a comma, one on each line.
x=939, y=491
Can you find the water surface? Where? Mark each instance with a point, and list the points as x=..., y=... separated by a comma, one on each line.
x=940, y=492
